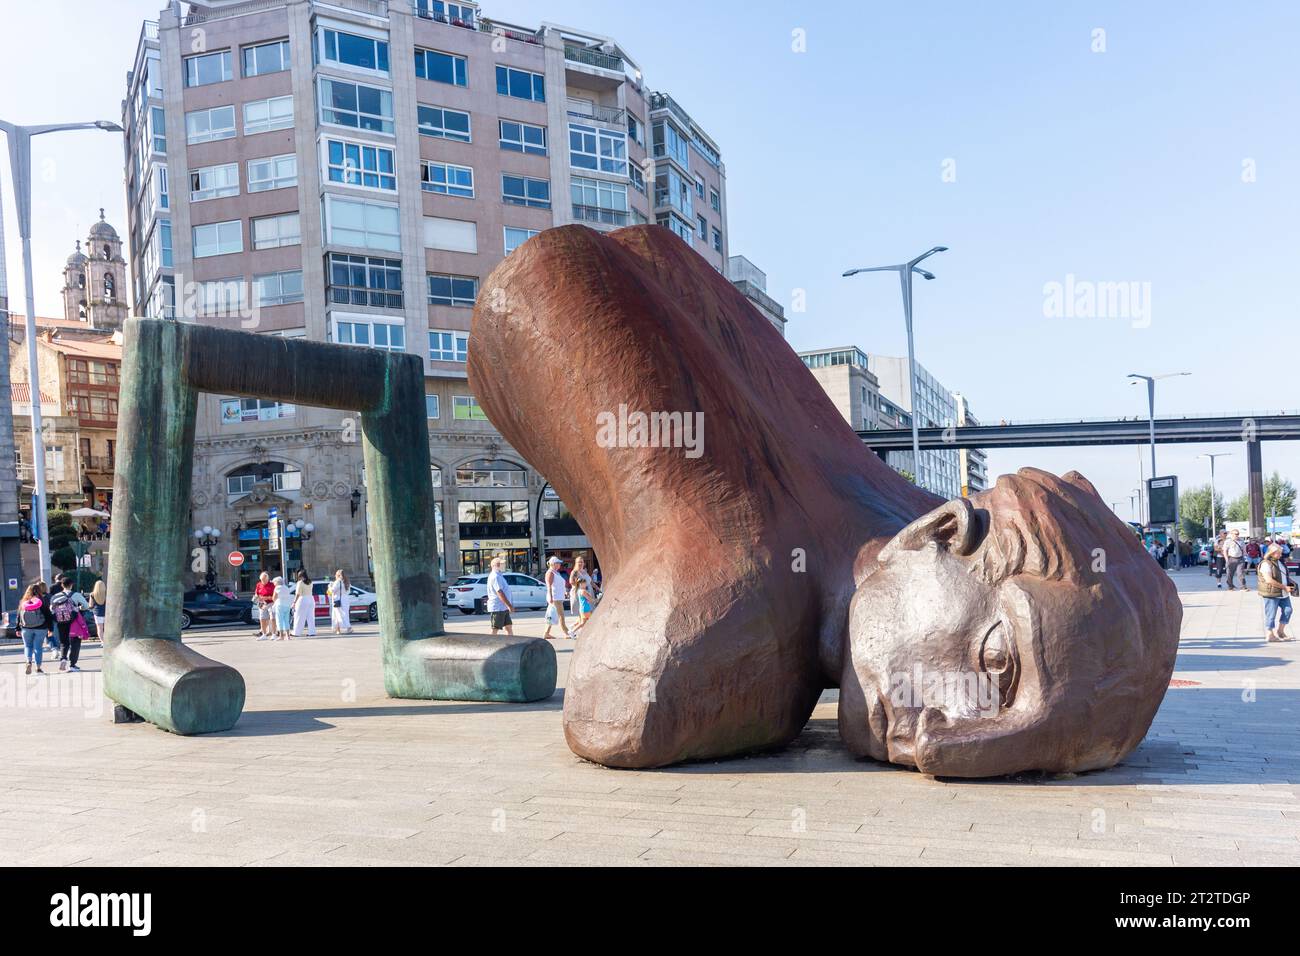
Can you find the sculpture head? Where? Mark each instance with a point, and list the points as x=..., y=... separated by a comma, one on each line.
x=1021, y=629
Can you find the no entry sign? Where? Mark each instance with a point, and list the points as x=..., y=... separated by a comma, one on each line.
x=236, y=558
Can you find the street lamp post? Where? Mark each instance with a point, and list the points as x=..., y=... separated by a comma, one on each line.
x=1214, y=524
x=1132, y=505
x=207, y=538
x=905, y=270
x=20, y=168
x=1151, y=408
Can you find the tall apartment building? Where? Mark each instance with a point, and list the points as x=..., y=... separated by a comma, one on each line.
x=350, y=172
x=972, y=463
x=938, y=470
x=850, y=384
x=752, y=282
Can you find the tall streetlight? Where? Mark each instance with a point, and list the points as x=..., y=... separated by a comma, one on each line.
x=1132, y=504
x=1151, y=407
x=905, y=270
x=20, y=168
x=1214, y=524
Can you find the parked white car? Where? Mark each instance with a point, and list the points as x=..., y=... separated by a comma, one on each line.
x=362, y=606
x=469, y=593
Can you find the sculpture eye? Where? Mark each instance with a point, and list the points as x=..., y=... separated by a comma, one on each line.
x=997, y=658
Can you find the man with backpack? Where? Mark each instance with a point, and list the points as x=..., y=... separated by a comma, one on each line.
x=66, y=606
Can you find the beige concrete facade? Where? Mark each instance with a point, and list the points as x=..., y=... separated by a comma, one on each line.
x=596, y=111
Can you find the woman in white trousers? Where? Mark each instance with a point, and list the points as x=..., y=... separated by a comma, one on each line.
x=340, y=598
x=304, y=607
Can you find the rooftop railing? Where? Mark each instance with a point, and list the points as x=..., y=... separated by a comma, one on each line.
x=252, y=6
x=604, y=61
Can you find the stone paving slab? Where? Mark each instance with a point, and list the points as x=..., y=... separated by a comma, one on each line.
x=324, y=770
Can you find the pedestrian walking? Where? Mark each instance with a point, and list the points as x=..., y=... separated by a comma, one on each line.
x=99, y=607
x=1216, y=558
x=264, y=601
x=500, y=602
x=1233, y=554
x=283, y=601
x=34, y=623
x=555, y=588
x=304, y=606
x=1275, y=587
x=340, y=597
x=66, y=605
x=581, y=594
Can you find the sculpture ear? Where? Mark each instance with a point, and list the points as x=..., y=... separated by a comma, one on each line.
x=952, y=525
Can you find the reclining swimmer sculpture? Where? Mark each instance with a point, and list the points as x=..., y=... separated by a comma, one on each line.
x=777, y=556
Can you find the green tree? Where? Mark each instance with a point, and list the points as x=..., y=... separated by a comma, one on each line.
x=908, y=475
x=1194, y=504
x=1239, y=508
x=1279, y=496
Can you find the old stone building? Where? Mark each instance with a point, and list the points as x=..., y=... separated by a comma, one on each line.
x=94, y=281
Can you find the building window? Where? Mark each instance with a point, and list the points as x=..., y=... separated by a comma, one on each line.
x=204, y=126
x=450, y=235
x=266, y=58
x=491, y=473
x=431, y=411
x=271, y=232
x=218, y=239
x=440, y=67
x=444, y=123
x=678, y=226
x=234, y=411
x=262, y=116
x=596, y=200
x=221, y=297
x=521, y=84
x=715, y=201
x=452, y=290
x=353, y=51
x=158, y=126
x=356, y=164
x=704, y=228
x=523, y=137
x=635, y=130
x=671, y=142
x=448, y=346
x=365, y=225
x=525, y=191
x=671, y=189
x=208, y=68
x=365, y=280
x=214, y=182
x=362, y=330
x=272, y=473
x=465, y=408
x=277, y=288
x=597, y=149
x=516, y=237
x=356, y=105
x=447, y=179
x=699, y=185
x=457, y=14
x=717, y=240
x=273, y=172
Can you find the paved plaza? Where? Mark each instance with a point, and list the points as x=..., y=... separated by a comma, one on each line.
x=323, y=769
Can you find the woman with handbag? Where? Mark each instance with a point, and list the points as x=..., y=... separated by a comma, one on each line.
x=340, y=595
x=1275, y=587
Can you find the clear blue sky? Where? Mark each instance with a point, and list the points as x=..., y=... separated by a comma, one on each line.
x=1114, y=167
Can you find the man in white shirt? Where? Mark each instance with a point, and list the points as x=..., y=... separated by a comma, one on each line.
x=499, y=600
x=1233, y=552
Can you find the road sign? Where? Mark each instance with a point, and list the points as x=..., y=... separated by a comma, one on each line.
x=1162, y=500
x=273, y=512
x=236, y=558
x=273, y=533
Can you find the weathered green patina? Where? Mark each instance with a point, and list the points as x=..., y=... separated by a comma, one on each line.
x=147, y=669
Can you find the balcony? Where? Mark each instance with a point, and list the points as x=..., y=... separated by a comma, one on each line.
x=589, y=57
x=517, y=34
x=609, y=115
x=257, y=6
x=610, y=217
x=98, y=464
x=424, y=10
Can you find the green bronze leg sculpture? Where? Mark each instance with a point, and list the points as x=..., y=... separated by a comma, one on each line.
x=147, y=670
x=146, y=667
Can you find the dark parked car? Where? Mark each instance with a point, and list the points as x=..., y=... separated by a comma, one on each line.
x=213, y=607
